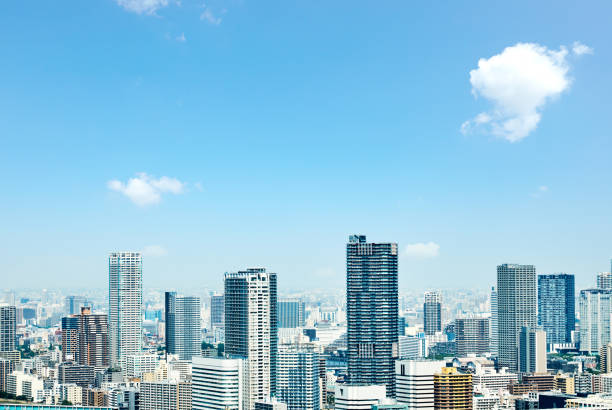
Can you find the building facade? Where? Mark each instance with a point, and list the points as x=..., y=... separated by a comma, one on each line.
x=183, y=328
x=557, y=307
x=415, y=382
x=432, y=313
x=453, y=390
x=219, y=383
x=291, y=313
x=372, y=312
x=472, y=336
x=532, y=350
x=125, y=305
x=298, y=377
x=217, y=311
x=8, y=327
x=166, y=395
x=516, y=307
x=493, y=336
x=595, y=310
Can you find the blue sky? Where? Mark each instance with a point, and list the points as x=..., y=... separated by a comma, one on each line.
x=283, y=127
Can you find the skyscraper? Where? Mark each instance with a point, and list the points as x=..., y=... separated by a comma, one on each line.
x=8, y=327
x=432, y=313
x=93, y=344
x=70, y=338
x=291, y=313
x=372, y=312
x=251, y=327
x=217, y=311
x=604, y=280
x=415, y=382
x=493, y=336
x=557, y=307
x=516, y=307
x=532, y=350
x=298, y=377
x=472, y=336
x=183, y=333
x=595, y=326
x=125, y=305
x=219, y=384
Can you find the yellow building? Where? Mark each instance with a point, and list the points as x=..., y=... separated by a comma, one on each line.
x=565, y=383
x=452, y=390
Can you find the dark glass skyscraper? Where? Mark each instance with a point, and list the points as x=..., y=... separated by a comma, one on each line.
x=183, y=335
x=432, y=313
x=372, y=312
x=557, y=307
x=291, y=313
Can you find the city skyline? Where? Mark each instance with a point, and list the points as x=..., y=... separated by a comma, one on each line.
x=207, y=131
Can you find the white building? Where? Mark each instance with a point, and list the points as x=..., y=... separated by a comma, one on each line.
x=412, y=347
x=71, y=392
x=166, y=395
x=137, y=365
x=493, y=380
x=359, y=397
x=532, y=350
x=298, y=377
x=219, y=383
x=22, y=384
x=415, y=382
x=125, y=305
x=595, y=312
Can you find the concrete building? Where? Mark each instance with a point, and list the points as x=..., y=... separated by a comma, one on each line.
x=516, y=307
x=604, y=280
x=565, y=383
x=493, y=335
x=183, y=328
x=453, y=390
x=85, y=339
x=6, y=367
x=217, y=311
x=270, y=405
x=79, y=374
x=472, y=335
x=125, y=305
x=298, y=377
x=251, y=327
x=359, y=397
x=415, y=382
x=494, y=380
x=139, y=364
x=532, y=350
x=413, y=347
x=432, y=313
x=8, y=323
x=291, y=313
x=165, y=395
x=372, y=312
x=557, y=307
x=219, y=383
x=595, y=312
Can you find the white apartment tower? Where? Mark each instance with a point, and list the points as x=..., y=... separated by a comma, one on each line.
x=124, y=305
x=415, y=382
x=219, y=383
x=595, y=315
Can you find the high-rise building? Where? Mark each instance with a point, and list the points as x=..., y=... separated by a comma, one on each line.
x=70, y=338
x=595, y=311
x=532, y=350
x=557, y=307
x=493, y=336
x=8, y=328
x=415, y=382
x=6, y=367
x=165, y=395
x=79, y=374
x=219, y=383
x=251, y=330
x=125, y=305
x=453, y=390
x=472, y=336
x=291, y=313
x=359, y=397
x=516, y=307
x=604, y=280
x=432, y=313
x=183, y=333
x=73, y=304
x=217, y=311
x=605, y=358
x=372, y=312
x=298, y=377
x=93, y=341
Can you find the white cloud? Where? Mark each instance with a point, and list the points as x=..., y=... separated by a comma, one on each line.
x=518, y=82
x=422, y=250
x=145, y=189
x=542, y=189
x=209, y=16
x=580, y=49
x=142, y=6
x=154, y=251
x=181, y=38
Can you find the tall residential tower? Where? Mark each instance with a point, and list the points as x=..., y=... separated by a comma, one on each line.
x=557, y=307
x=183, y=334
x=432, y=313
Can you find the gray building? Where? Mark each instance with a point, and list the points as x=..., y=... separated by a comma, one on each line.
x=557, y=307
x=472, y=335
x=183, y=332
x=298, y=377
x=493, y=336
x=73, y=304
x=291, y=313
x=8, y=327
x=532, y=350
x=516, y=308
x=217, y=311
x=432, y=313
x=604, y=280
x=372, y=312
x=79, y=374
x=595, y=324
x=251, y=327
x=124, y=305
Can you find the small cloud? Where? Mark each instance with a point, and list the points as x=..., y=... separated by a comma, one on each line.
x=580, y=49
x=518, y=83
x=146, y=190
x=422, y=250
x=541, y=190
x=142, y=6
x=154, y=251
x=181, y=38
x=208, y=16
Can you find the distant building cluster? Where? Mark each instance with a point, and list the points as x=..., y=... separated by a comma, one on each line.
x=523, y=345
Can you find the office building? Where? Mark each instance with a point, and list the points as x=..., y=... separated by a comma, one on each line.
x=217, y=311
x=557, y=307
x=219, y=383
x=125, y=305
x=70, y=338
x=183, y=333
x=165, y=395
x=413, y=347
x=139, y=364
x=452, y=390
x=79, y=374
x=7, y=328
x=605, y=358
x=251, y=331
x=6, y=368
x=372, y=312
x=93, y=343
x=291, y=313
x=493, y=336
x=532, y=350
x=271, y=404
x=494, y=380
x=359, y=397
x=565, y=383
x=604, y=280
x=516, y=307
x=472, y=336
x=595, y=311
x=432, y=313
x=415, y=382
x=298, y=377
